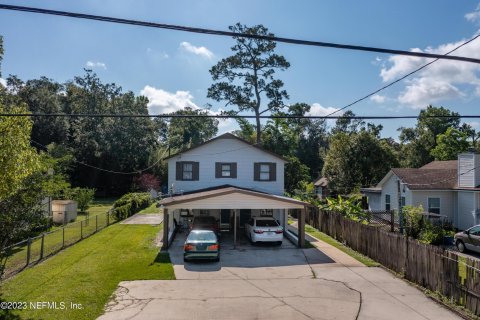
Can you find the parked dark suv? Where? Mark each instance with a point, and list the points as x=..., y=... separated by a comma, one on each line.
x=468, y=239
x=205, y=223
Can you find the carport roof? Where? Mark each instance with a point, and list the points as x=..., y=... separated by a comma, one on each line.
x=194, y=198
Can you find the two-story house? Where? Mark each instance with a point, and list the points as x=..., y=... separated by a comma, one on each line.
x=449, y=188
x=227, y=178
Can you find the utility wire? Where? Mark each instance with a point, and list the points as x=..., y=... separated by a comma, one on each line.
x=109, y=171
x=224, y=116
x=402, y=78
x=233, y=34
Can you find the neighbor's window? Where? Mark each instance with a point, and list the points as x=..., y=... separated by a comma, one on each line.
x=226, y=170
x=187, y=171
x=265, y=172
x=434, y=205
x=387, y=202
x=403, y=202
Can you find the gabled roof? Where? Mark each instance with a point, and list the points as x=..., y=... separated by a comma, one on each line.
x=436, y=175
x=228, y=136
x=427, y=179
x=321, y=182
x=226, y=190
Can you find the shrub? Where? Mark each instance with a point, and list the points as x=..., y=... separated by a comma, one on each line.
x=146, y=182
x=131, y=203
x=350, y=208
x=83, y=196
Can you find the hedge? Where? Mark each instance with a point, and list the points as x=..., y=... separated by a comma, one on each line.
x=131, y=203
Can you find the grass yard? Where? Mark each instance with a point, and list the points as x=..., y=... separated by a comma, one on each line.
x=152, y=209
x=54, y=240
x=89, y=272
x=354, y=254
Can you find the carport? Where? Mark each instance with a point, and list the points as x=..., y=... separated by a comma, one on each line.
x=234, y=202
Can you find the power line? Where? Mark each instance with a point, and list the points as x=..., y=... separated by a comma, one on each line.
x=233, y=34
x=106, y=170
x=225, y=116
x=403, y=77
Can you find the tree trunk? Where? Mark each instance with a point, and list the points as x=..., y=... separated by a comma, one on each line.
x=259, y=130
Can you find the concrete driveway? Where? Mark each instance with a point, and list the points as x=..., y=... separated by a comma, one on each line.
x=265, y=282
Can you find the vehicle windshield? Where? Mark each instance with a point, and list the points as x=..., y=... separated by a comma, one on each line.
x=202, y=236
x=267, y=223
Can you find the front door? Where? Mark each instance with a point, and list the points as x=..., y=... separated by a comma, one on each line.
x=245, y=215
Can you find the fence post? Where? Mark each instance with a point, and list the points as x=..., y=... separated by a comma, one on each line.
x=42, y=246
x=81, y=229
x=63, y=237
x=392, y=221
x=96, y=223
x=29, y=243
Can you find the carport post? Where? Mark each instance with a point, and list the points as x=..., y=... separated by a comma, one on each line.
x=301, y=228
x=165, y=229
x=234, y=228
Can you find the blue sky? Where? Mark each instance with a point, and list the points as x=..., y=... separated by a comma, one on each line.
x=171, y=68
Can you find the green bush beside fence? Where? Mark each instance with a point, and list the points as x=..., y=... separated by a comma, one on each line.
x=130, y=204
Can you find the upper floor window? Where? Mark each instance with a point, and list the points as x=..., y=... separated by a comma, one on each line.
x=187, y=171
x=225, y=170
x=265, y=171
x=434, y=205
x=387, y=202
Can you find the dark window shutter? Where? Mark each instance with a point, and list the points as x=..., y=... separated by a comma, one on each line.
x=273, y=171
x=196, y=173
x=256, y=171
x=233, y=166
x=179, y=171
x=218, y=169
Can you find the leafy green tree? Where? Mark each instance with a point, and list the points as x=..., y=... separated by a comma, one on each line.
x=450, y=144
x=18, y=160
x=45, y=96
x=357, y=160
x=295, y=174
x=247, y=77
x=187, y=132
x=84, y=197
x=417, y=143
x=350, y=208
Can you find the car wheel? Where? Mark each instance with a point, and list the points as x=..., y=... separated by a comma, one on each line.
x=217, y=259
x=279, y=243
x=185, y=259
x=461, y=246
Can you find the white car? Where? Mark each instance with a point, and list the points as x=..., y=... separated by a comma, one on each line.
x=264, y=229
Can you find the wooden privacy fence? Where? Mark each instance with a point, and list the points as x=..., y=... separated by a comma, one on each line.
x=455, y=277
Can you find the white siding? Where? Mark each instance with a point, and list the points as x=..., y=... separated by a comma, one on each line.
x=467, y=170
x=374, y=201
x=390, y=187
x=447, y=201
x=466, y=209
x=227, y=150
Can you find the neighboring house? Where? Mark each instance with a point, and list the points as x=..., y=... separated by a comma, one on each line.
x=230, y=179
x=321, y=187
x=449, y=188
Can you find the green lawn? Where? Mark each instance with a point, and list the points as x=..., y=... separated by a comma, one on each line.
x=152, y=209
x=354, y=254
x=54, y=240
x=88, y=272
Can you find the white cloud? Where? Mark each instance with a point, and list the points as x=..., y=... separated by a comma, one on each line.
x=199, y=51
x=3, y=82
x=442, y=80
x=378, y=98
x=157, y=55
x=96, y=64
x=161, y=101
x=474, y=16
x=317, y=109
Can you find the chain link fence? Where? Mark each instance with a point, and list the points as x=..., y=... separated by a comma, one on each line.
x=20, y=255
